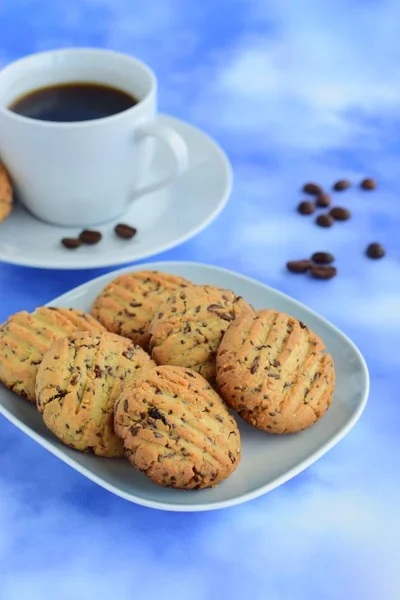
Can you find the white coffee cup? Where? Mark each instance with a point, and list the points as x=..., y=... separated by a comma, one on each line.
x=86, y=172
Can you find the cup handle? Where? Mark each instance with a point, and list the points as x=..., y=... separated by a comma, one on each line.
x=176, y=146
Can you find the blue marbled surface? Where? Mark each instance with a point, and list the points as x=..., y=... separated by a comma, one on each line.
x=294, y=91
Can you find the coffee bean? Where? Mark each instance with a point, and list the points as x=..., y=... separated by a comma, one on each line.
x=312, y=188
x=125, y=231
x=71, y=243
x=90, y=237
x=340, y=214
x=306, y=208
x=341, y=185
x=322, y=258
x=299, y=266
x=324, y=220
x=323, y=271
x=368, y=184
x=375, y=250
x=323, y=200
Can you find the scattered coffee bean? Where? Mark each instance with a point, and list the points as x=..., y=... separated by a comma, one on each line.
x=323, y=258
x=125, y=231
x=323, y=200
x=375, y=250
x=299, y=266
x=324, y=220
x=306, y=208
x=340, y=214
x=313, y=189
x=90, y=237
x=71, y=243
x=368, y=184
x=323, y=271
x=341, y=185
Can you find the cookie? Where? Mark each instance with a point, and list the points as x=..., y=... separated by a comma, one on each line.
x=77, y=383
x=6, y=194
x=176, y=429
x=274, y=372
x=189, y=327
x=25, y=337
x=128, y=303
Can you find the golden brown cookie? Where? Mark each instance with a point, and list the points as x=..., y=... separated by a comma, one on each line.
x=77, y=383
x=6, y=194
x=189, y=327
x=25, y=337
x=129, y=302
x=176, y=429
x=273, y=371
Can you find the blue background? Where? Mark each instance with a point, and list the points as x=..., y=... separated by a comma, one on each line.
x=294, y=91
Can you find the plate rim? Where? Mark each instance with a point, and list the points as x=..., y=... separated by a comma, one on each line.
x=239, y=499
x=225, y=164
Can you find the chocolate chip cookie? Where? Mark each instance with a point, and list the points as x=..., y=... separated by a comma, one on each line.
x=129, y=302
x=25, y=337
x=6, y=194
x=77, y=383
x=189, y=327
x=176, y=429
x=274, y=372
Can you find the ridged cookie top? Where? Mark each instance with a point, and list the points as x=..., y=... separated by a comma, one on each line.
x=177, y=429
x=273, y=370
x=6, y=194
x=190, y=324
x=25, y=337
x=129, y=302
x=77, y=384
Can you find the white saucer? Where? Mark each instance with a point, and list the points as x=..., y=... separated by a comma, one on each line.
x=267, y=460
x=163, y=219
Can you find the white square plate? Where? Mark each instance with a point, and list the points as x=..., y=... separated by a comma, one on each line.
x=267, y=460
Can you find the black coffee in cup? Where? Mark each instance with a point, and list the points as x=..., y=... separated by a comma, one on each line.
x=72, y=102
